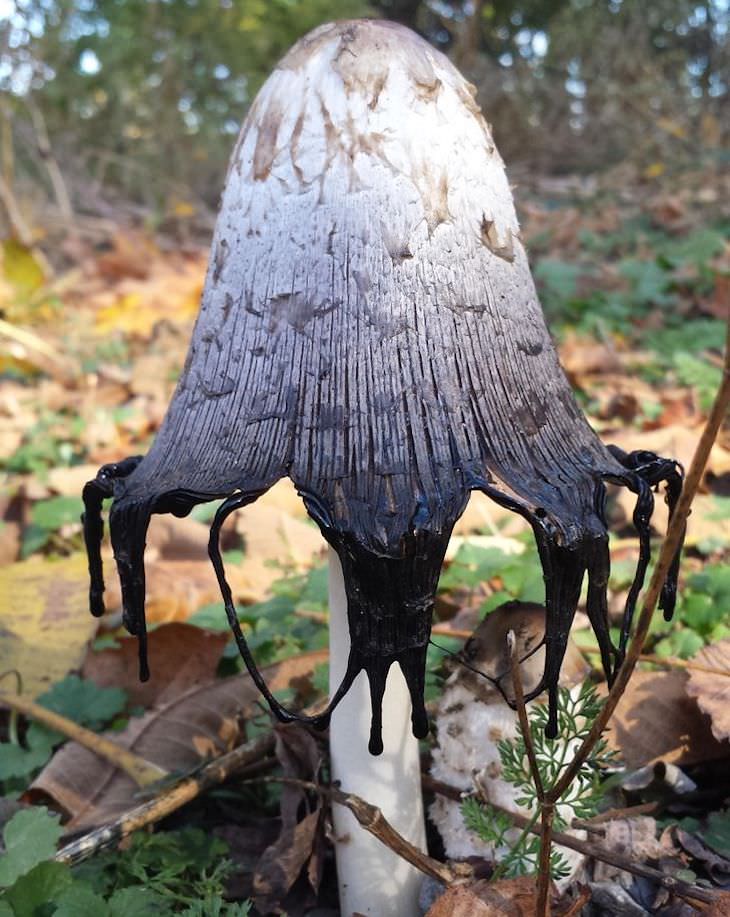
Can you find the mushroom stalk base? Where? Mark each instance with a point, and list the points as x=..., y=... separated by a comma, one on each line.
x=372, y=879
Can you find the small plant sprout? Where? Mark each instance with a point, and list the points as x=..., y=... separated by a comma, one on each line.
x=369, y=328
x=517, y=851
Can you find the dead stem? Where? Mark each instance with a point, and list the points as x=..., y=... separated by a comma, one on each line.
x=168, y=801
x=372, y=819
x=547, y=808
x=143, y=772
x=675, y=532
x=587, y=848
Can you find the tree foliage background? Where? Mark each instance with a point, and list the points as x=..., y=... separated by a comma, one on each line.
x=140, y=100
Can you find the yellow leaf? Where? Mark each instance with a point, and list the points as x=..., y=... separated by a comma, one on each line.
x=654, y=170
x=183, y=209
x=129, y=314
x=20, y=268
x=44, y=620
x=671, y=127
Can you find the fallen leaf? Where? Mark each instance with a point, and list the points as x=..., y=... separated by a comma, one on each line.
x=484, y=515
x=299, y=841
x=273, y=539
x=69, y=482
x=656, y=721
x=581, y=357
x=203, y=721
x=177, y=539
x=717, y=866
x=505, y=898
x=44, y=620
x=175, y=588
x=676, y=441
x=711, y=689
x=280, y=865
x=720, y=907
x=181, y=656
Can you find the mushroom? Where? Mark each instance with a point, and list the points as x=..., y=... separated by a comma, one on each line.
x=369, y=328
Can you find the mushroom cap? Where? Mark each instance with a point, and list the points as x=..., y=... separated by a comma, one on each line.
x=369, y=327
x=369, y=324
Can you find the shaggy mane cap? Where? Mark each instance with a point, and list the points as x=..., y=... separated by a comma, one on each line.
x=370, y=328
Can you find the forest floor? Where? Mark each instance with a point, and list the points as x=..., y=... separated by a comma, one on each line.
x=634, y=276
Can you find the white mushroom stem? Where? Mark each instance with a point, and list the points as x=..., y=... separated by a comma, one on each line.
x=372, y=879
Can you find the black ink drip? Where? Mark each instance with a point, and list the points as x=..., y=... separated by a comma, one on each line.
x=390, y=599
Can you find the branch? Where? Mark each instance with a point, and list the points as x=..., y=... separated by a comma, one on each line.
x=143, y=772
x=45, y=150
x=547, y=807
x=675, y=531
x=587, y=848
x=171, y=799
x=514, y=665
x=372, y=819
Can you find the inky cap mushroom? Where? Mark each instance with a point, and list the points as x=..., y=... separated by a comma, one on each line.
x=369, y=328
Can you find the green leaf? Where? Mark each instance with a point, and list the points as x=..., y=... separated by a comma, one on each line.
x=34, y=540
x=697, y=248
x=41, y=886
x=84, y=702
x=30, y=837
x=210, y=617
x=683, y=643
x=137, y=901
x=649, y=282
x=717, y=832
x=699, y=374
x=50, y=515
x=16, y=761
x=5, y=909
x=80, y=900
x=320, y=678
x=473, y=565
x=558, y=278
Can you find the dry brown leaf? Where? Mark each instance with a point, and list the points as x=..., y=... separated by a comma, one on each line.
x=175, y=589
x=581, y=357
x=505, y=898
x=299, y=842
x=280, y=865
x=720, y=907
x=677, y=441
x=712, y=689
x=175, y=735
x=704, y=524
x=45, y=624
x=272, y=539
x=69, y=482
x=656, y=720
x=177, y=539
x=181, y=656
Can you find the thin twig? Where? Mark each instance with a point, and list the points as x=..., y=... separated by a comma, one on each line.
x=514, y=665
x=576, y=908
x=143, y=772
x=587, y=848
x=371, y=818
x=672, y=662
x=45, y=150
x=171, y=799
x=675, y=531
x=645, y=808
x=547, y=808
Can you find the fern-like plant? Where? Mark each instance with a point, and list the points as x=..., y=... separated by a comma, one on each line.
x=576, y=712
